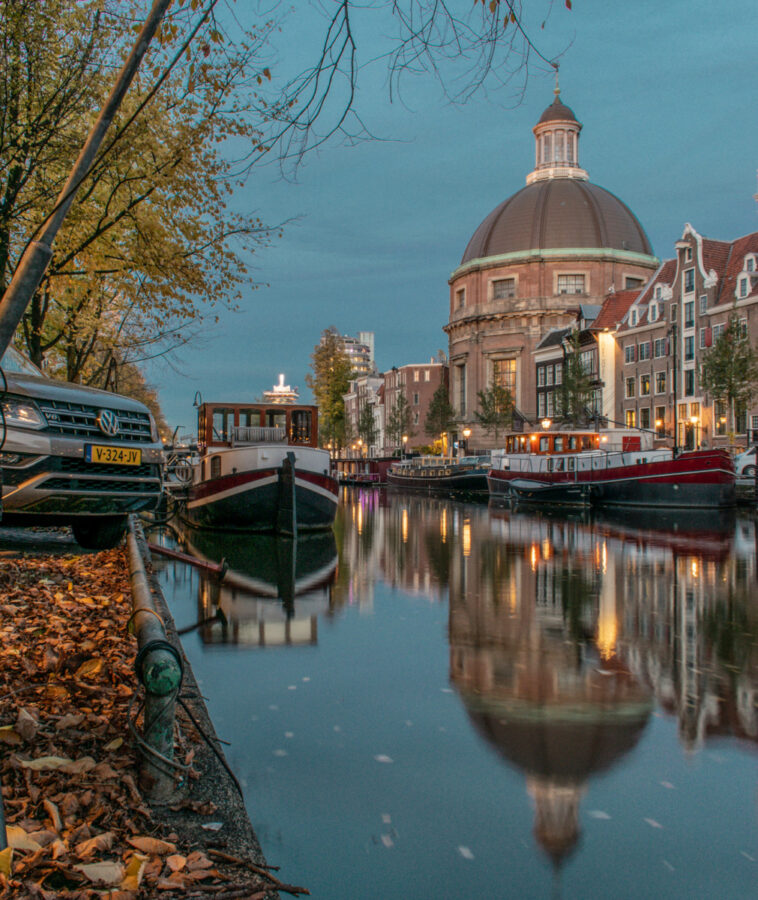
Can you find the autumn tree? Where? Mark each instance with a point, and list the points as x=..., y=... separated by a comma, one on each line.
x=729, y=370
x=330, y=381
x=441, y=416
x=495, y=409
x=399, y=421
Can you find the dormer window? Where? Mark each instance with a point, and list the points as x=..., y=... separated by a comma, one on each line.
x=742, y=290
x=633, y=317
x=750, y=264
x=653, y=314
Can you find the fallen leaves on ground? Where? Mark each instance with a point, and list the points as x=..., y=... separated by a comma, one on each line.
x=77, y=826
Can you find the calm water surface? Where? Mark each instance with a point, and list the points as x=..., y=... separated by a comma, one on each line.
x=446, y=700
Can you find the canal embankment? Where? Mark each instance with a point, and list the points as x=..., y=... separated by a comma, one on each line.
x=71, y=729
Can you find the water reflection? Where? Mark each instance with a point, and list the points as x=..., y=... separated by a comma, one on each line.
x=564, y=631
x=272, y=590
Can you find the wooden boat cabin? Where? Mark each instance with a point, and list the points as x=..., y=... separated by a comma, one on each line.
x=233, y=424
x=549, y=443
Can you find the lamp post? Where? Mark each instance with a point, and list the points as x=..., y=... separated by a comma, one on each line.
x=466, y=436
x=546, y=423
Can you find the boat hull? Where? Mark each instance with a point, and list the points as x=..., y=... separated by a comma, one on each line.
x=470, y=482
x=284, y=498
x=697, y=480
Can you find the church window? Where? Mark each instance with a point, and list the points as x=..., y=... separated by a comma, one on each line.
x=570, y=148
x=547, y=150
x=503, y=288
x=631, y=284
x=571, y=284
x=559, y=137
x=504, y=374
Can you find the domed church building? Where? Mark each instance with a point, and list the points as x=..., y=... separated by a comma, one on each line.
x=557, y=245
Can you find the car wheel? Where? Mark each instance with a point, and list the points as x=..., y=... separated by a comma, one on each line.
x=99, y=534
x=749, y=471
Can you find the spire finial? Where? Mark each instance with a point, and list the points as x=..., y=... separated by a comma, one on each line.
x=557, y=89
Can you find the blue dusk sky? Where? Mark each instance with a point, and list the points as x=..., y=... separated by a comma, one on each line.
x=666, y=93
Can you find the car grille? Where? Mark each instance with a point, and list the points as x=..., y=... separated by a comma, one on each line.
x=97, y=473
x=101, y=485
x=78, y=420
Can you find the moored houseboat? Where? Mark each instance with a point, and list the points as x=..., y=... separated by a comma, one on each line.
x=613, y=468
x=260, y=469
x=440, y=474
x=364, y=471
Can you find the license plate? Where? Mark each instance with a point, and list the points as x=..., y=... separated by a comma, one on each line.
x=119, y=456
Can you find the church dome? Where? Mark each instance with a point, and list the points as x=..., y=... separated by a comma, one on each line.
x=559, y=208
x=558, y=213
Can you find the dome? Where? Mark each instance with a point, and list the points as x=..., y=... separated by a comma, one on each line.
x=557, y=111
x=558, y=213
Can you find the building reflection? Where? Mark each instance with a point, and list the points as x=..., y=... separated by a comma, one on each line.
x=272, y=590
x=565, y=632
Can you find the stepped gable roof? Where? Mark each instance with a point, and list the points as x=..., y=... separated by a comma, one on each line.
x=614, y=309
x=734, y=265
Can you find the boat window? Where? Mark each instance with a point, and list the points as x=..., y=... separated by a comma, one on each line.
x=559, y=465
x=276, y=418
x=573, y=442
x=250, y=418
x=544, y=444
x=558, y=445
x=550, y=465
x=215, y=467
x=571, y=464
x=223, y=422
x=300, y=431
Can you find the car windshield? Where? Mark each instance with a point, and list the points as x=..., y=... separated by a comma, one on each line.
x=13, y=361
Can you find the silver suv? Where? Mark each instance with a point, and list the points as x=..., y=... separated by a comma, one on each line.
x=73, y=455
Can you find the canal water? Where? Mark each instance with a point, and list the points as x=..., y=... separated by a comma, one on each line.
x=449, y=700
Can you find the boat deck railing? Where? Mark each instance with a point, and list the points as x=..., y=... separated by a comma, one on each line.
x=257, y=434
x=586, y=461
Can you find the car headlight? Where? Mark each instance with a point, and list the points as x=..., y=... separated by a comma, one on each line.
x=20, y=413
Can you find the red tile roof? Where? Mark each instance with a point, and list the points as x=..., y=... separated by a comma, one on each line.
x=614, y=309
x=733, y=265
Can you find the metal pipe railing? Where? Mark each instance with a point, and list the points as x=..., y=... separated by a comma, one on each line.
x=159, y=668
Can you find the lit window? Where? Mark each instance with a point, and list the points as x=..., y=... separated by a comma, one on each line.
x=504, y=374
x=427, y=375
x=630, y=419
x=644, y=385
x=571, y=284
x=415, y=374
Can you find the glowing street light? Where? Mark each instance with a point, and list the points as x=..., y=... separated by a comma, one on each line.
x=546, y=423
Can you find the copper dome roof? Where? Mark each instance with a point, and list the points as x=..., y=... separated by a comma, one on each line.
x=558, y=213
x=557, y=111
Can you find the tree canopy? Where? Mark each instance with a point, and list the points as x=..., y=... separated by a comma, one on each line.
x=330, y=380
x=576, y=385
x=495, y=411
x=399, y=420
x=441, y=415
x=729, y=370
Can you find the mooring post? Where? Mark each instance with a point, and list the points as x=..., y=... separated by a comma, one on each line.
x=159, y=668
x=286, y=515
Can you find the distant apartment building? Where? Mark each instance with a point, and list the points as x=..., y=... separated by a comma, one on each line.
x=418, y=383
x=365, y=390
x=360, y=351
x=673, y=322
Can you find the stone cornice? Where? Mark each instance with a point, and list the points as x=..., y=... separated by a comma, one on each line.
x=554, y=255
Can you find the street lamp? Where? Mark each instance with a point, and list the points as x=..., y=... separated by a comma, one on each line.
x=466, y=436
x=546, y=423
x=405, y=441
x=695, y=421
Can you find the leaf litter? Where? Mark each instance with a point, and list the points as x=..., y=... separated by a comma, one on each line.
x=77, y=825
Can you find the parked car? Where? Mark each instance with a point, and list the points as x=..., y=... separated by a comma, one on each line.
x=73, y=455
x=745, y=463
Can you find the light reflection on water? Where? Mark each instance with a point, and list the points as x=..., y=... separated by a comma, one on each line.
x=445, y=700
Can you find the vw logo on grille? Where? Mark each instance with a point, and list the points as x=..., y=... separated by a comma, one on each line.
x=107, y=422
